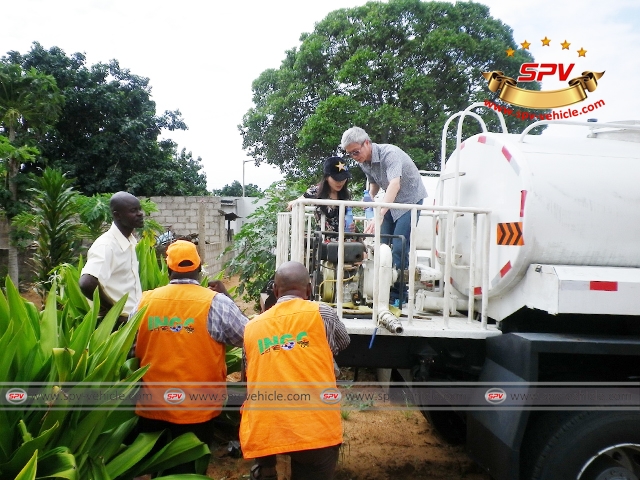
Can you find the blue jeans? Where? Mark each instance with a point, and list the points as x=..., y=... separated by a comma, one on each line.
x=402, y=226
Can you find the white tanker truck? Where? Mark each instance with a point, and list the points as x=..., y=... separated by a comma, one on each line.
x=524, y=291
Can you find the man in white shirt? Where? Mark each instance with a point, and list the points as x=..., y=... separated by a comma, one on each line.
x=112, y=264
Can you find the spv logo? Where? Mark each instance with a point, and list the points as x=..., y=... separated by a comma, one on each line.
x=576, y=92
x=495, y=396
x=331, y=396
x=537, y=71
x=16, y=396
x=174, y=396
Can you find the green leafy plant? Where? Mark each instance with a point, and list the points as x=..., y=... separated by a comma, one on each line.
x=52, y=222
x=254, y=244
x=55, y=346
x=95, y=214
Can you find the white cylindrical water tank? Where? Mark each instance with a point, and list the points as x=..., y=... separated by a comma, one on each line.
x=559, y=201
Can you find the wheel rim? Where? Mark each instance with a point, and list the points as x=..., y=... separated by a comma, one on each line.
x=618, y=462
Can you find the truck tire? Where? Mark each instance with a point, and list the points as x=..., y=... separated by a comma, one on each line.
x=583, y=446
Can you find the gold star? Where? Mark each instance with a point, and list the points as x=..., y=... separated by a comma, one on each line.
x=510, y=52
x=340, y=166
x=582, y=52
x=545, y=41
x=525, y=45
x=565, y=45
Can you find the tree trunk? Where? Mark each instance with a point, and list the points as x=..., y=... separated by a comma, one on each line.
x=13, y=188
x=13, y=263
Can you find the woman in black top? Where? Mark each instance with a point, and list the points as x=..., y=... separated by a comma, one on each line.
x=334, y=186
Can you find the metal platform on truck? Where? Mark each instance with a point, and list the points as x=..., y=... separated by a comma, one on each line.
x=431, y=326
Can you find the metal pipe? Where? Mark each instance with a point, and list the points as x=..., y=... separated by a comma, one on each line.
x=485, y=270
x=472, y=268
x=340, y=271
x=389, y=321
x=412, y=263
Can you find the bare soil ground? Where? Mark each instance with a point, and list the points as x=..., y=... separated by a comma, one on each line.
x=378, y=445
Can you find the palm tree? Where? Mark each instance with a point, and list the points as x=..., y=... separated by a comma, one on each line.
x=29, y=102
x=53, y=222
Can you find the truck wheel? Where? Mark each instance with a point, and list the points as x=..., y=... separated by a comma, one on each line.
x=449, y=426
x=583, y=446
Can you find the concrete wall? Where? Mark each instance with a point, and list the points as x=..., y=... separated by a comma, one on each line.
x=202, y=215
x=183, y=216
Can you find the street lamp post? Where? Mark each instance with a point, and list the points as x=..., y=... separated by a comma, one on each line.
x=243, y=162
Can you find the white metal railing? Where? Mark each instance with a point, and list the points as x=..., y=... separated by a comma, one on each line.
x=438, y=211
x=298, y=252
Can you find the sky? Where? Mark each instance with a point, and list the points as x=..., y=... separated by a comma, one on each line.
x=202, y=57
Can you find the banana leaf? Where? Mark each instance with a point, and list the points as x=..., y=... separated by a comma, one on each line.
x=63, y=361
x=27, y=450
x=71, y=294
x=29, y=470
x=57, y=463
x=18, y=313
x=110, y=442
x=81, y=334
x=80, y=370
x=185, y=448
x=233, y=359
x=97, y=470
x=133, y=455
x=8, y=347
x=5, y=314
x=49, y=324
x=97, y=342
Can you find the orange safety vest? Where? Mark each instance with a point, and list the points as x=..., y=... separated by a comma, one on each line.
x=288, y=354
x=173, y=338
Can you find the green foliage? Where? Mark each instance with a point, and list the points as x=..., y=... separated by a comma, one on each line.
x=153, y=270
x=254, y=260
x=107, y=133
x=29, y=101
x=29, y=104
x=52, y=221
x=398, y=69
x=95, y=214
x=56, y=346
x=235, y=190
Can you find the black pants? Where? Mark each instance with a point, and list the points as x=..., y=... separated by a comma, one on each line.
x=316, y=464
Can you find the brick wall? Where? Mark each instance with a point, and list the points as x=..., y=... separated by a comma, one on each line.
x=186, y=215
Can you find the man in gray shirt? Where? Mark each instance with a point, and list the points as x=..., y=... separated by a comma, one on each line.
x=388, y=167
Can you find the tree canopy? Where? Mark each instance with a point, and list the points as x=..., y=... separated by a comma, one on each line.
x=235, y=190
x=396, y=69
x=106, y=136
x=30, y=103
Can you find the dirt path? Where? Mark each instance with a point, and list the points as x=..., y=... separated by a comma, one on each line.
x=378, y=445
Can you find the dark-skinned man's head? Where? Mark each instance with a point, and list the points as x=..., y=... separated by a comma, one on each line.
x=292, y=278
x=126, y=212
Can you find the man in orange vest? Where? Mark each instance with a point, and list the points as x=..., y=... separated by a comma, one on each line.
x=183, y=336
x=291, y=345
